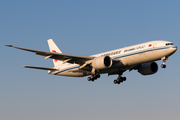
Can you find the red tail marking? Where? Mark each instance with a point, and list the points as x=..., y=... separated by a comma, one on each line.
x=54, y=52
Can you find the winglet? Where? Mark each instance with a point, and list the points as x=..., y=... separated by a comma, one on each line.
x=8, y=45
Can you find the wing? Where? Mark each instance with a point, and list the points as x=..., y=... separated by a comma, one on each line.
x=41, y=68
x=58, y=56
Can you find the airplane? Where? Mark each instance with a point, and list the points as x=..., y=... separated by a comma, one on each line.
x=140, y=57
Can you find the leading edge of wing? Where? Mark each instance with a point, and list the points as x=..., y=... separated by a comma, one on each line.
x=58, y=56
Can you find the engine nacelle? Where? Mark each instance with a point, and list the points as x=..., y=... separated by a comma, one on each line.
x=102, y=62
x=148, y=68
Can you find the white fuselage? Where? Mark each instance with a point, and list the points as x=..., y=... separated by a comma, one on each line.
x=129, y=56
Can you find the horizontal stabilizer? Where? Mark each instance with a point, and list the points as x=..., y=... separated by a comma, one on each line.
x=41, y=68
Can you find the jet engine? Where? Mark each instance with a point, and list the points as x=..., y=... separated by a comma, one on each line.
x=148, y=68
x=102, y=62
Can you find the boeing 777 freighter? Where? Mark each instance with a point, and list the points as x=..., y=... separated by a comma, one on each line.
x=139, y=57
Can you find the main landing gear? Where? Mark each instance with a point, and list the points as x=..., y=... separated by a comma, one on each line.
x=164, y=60
x=93, y=77
x=119, y=80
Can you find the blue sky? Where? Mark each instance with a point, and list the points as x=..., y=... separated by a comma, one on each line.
x=84, y=28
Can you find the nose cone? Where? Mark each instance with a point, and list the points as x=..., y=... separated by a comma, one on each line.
x=174, y=49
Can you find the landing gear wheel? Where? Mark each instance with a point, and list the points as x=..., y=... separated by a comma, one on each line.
x=98, y=76
x=163, y=66
x=124, y=78
x=93, y=77
x=119, y=80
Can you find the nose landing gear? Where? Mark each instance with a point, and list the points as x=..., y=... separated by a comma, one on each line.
x=163, y=66
x=164, y=60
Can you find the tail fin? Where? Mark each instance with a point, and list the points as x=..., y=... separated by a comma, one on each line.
x=54, y=48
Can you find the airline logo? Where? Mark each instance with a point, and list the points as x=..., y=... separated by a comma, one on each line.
x=54, y=52
x=150, y=45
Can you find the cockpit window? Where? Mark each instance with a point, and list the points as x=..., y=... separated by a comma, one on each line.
x=169, y=44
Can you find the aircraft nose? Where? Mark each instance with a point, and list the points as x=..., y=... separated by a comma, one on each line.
x=175, y=48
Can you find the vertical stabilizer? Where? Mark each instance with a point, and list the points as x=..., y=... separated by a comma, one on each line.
x=54, y=48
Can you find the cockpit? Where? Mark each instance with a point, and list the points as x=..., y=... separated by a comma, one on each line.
x=169, y=44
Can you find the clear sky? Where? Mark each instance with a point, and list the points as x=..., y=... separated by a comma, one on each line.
x=84, y=27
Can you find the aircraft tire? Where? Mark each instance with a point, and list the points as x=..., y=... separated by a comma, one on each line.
x=94, y=77
x=98, y=76
x=163, y=66
x=124, y=78
x=89, y=78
